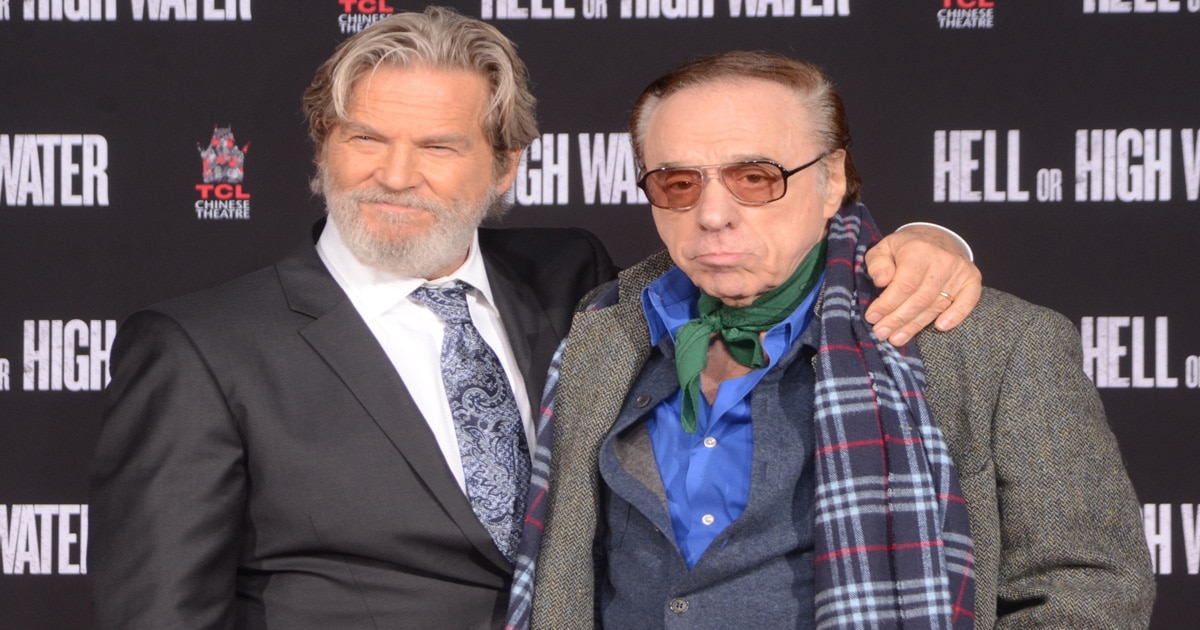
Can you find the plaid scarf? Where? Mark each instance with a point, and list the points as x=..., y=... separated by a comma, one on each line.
x=520, y=597
x=893, y=542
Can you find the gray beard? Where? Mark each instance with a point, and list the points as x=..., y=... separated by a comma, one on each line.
x=444, y=244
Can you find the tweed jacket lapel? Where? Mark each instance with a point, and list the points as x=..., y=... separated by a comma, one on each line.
x=605, y=352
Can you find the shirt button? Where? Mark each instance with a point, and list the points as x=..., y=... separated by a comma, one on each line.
x=678, y=605
x=708, y=519
x=710, y=441
x=641, y=401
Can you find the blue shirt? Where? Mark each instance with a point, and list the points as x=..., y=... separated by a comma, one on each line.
x=706, y=474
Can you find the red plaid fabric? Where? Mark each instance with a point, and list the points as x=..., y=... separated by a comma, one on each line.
x=892, y=537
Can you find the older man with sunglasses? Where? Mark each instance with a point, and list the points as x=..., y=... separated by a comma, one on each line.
x=734, y=447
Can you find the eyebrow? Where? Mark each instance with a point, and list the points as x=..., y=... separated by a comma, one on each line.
x=355, y=127
x=745, y=157
x=449, y=138
x=445, y=138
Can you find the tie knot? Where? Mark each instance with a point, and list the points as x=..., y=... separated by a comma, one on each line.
x=449, y=301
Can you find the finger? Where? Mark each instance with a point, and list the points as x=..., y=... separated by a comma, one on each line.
x=881, y=264
x=909, y=329
x=922, y=304
x=946, y=310
x=883, y=273
x=919, y=300
x=964, y=302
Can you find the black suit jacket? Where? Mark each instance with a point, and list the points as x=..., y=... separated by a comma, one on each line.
x=262, y=465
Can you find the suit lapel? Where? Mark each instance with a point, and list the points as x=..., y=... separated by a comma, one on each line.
x=341, y=337
x=530, y=333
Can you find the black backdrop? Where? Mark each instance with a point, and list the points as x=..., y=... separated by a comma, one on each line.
x=1060, y=138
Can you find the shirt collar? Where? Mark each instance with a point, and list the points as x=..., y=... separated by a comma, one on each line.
x=669, y=302
x=375, y=291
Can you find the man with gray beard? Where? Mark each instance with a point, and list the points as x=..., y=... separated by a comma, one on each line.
x=418, y=258
x=341, y=440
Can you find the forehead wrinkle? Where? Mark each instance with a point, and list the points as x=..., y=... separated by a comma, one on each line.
x=713, y=123
x=367, y=102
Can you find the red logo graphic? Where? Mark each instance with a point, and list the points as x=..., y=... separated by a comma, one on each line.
x=366, y=6
x=222, y=166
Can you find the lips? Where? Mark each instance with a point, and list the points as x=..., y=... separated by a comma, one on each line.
x=719, y=259
x=395, y=208
x=399, y=207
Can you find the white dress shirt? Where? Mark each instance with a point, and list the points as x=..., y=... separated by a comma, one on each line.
x=411, y=334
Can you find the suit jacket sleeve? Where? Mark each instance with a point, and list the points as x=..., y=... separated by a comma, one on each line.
x=1071, y=550
x=167, y=487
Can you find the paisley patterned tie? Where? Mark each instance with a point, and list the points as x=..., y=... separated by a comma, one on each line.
x=491, y=437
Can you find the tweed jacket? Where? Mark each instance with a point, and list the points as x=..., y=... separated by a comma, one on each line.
x=1056, y=526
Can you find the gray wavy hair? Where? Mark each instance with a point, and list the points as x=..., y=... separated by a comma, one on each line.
x=440, y=38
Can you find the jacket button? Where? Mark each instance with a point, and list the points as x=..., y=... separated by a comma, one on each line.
x=679, y=605
x=641, y=401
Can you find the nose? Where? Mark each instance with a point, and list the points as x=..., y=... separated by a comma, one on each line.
x=399, y=169
x=717, y=209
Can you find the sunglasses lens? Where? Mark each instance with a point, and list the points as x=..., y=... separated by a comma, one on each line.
x=679, y=188
x=753, y=182
x=674, y=187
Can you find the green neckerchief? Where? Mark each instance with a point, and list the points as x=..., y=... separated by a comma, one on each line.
x=739, y=327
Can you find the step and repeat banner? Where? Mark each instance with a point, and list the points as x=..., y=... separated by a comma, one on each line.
x=153, y=147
